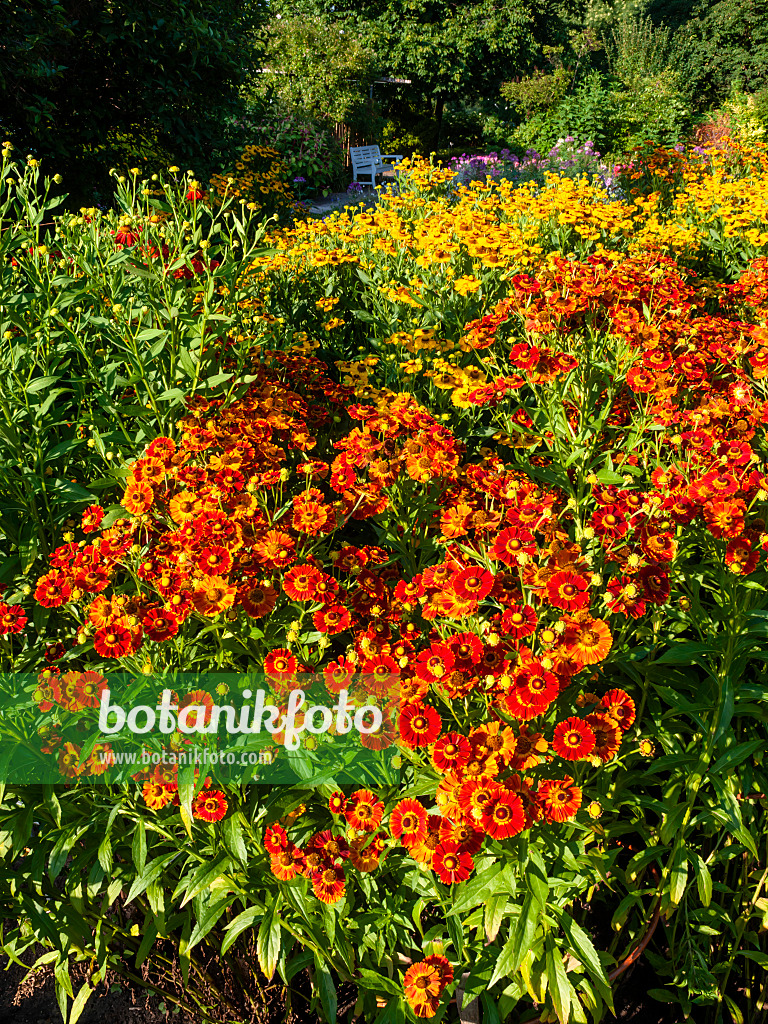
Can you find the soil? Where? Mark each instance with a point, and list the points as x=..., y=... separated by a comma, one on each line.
x=33, y=1001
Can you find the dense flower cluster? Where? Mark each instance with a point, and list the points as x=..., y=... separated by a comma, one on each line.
x=485, y=446
x=261, y=178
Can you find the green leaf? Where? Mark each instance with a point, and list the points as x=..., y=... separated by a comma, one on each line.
x=105, y=855
x=139, y=846
x=327, y=990
x=518, y=943
x=735, y=755
x=149, y=934
x=581, y=946
x=245, y=920
x=476, y=891
x=377, y=983
x=494, y=915
x=684, y=654
x=233, y=837
x=41, y=384
x=78, y=1006
x=761, y=959
x=560, y=988
x=268, y=941
x=536, y=878
x=703, y=880
x=212, y=914
x=678, y=877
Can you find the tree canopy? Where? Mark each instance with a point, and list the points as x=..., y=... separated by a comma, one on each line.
x=77, y=74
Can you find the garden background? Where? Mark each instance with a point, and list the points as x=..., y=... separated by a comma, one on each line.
x=489, y=448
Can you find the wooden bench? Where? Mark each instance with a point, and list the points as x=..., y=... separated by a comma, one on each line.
x=369, y=161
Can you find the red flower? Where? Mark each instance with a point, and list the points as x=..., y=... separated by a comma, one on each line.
x=452, y=864
x=472, y=584
x=567, y=590
x=53, y=590
x=112, y=641
x=408, y=821
x=337, y=803
x=452, y=751
x=419, y=725
x=275, y=839
x=300, y=582
x=620, y=706
x=159, y=625
x=13, y=618
x=573, y=739
x=209, y=805
x=280, y=664
x=328, y=884
x=91, y=518
x=503, y=816
x=518, y=621
x=434, y=663
x=725, y=518
x=332, y=618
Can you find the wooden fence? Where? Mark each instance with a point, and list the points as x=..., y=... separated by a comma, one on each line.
x=349, y=137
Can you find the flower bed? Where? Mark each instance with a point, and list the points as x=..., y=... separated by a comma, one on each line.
x=503, y=451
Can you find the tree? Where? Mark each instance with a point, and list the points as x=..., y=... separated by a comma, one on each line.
x=79, y=77
x=725, y=44
x=318, y=66
x=449, y=49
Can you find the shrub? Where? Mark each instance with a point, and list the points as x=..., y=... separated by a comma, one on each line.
x=260, y=178
x=307, y=145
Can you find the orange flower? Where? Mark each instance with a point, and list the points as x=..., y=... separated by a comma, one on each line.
x=156, y=795
x=607, y=735
x=69, y=761
x=408, y=821
x=213, y=596
x=286, y=863
x=209, y=805
x=183, y=507
x=587, y=640
x=560, y=799
x=138, y=497
x=364, y=811
x=573, y=739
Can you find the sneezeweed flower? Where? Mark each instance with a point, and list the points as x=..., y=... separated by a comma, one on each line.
x=363, y=811
x=287, y=862
x=451, y=864
x=408, y=822
x=209, y=805
x=573, y=739
x=560, y=799
x=419, y=725
x=13, y=618
x=646, y=748
x=503, y=816
x=328, y=884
